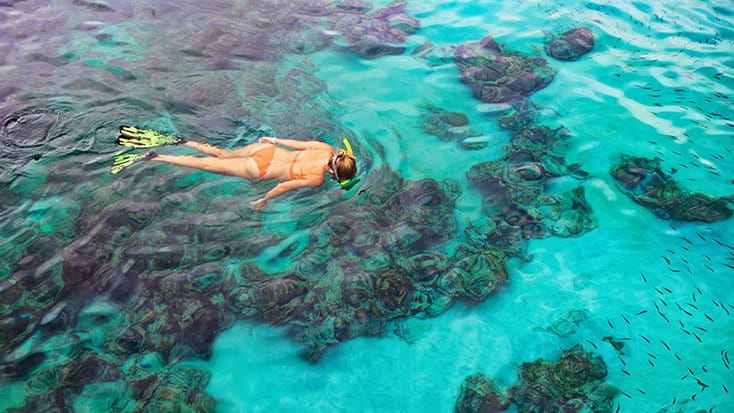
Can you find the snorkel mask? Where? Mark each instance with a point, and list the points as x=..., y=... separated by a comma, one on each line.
x=345, y=184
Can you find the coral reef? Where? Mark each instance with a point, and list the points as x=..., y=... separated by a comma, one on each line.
x=497, y=75
x=372, y=35
x=574, y=383
x=479, y=394
x=449, y=127
x=570, y=45
x=643, y=180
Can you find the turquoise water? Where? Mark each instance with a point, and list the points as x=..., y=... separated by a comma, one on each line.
x=658, y=83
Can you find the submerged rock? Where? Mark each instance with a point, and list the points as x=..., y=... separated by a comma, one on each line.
x=570, y=45
x=643, y=180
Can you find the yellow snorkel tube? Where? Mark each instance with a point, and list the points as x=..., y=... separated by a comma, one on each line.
x=348, y=184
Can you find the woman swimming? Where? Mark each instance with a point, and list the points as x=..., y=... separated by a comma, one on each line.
x=302, y=167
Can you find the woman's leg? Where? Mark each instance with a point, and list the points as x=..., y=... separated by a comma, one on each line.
x=243, y=152
x=244, y=168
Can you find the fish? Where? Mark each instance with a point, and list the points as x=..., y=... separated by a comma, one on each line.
x=640, y=390
x=693, y=306
x=627, y=395
x=694, y=396
x=691, y=371
x=645, y=338
x=694, y=297
x=697, y=338
x=641, y=312
x=668, y=290
x=709, y=317
x=592, y=344
x=651, y=363
x=652, y=355
x=667, y=260
x=701, y=236
x=702, y=329
x=684, y=377
x=658, y=290
x=704, y=369
x=665, y=344
x=703, y=385
x=663, y=301
x=709, y=268
x=725, y=389
x=686, y=240
x=622, y=361
x=678, y=357
x=699, y=291
x=643, y=277
x=664, y=317
x=610, y=324
x=626, y=372
x=625, y=318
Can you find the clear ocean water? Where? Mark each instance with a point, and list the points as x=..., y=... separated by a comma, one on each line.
x=658, y=83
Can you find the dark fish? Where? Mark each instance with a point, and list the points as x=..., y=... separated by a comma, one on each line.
x=643, y=277
x=701, y=236
x=618, y=407
x=592, y=344
x=639, y=390
x=670, y=251
x=693, y=306
x=691, y=371
x=709, y=268
x=685, y=248
x=667, y=289
x=694, y=297
x=709, y=317
x=667, y=261
x=707, y=257
x=652, y=355
x=703, y=385
x=704, y=369
x=678, y=357
x=697, y=338
x=658, y=290
x=665, y=344
x=651, y=363
x=686, y=240
x=694, y=396
x=610, y=324
x=702, y=329
x=622, y=391
x=684, y=377
x=622, y=361
x=732, y=267
x=664, y=317
x=626, y=372
x=674, y=400
x=641, y=312
x=645, y=338
x=725, y=389
x=663, y=301
x=699, y=291
x=625, y=318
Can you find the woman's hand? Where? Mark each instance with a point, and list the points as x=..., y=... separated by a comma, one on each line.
x=258, y=205
x=267, y=139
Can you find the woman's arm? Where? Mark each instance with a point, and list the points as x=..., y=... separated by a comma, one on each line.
x=284, y=187
x=295, y=144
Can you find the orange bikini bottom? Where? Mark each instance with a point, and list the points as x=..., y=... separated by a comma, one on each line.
x=263, y=157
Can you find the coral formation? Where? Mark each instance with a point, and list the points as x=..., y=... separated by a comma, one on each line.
x=574, y=383
x=643, y=180
x=570, y=45
x=497, y=75
x=479, y=394
x=449, y=127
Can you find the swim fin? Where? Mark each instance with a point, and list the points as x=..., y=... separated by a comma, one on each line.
x=146, y=138
x=127, y=159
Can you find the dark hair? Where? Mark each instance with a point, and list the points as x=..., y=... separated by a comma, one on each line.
x=346, y=165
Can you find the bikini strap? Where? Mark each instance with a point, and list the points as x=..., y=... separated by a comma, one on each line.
x=293, y=162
